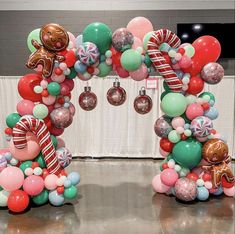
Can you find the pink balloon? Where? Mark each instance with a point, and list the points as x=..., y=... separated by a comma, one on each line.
x=50, y=181
x=5, y=150
x=137, y=43
x=33, y=185
x=163, y=153
x=58, y=79
x=122, y=72
x=194, y=110
x=229, y=191
x=60, y=142
x=72, y=109
x=38, y=68
x=176, y=66
x=169, y=176
x=49, y=100
x=202, y=139
x=178, y=122
x=69, y=83
x=184, y=44
x=185, y=62
x=158, y=186
x=25, y=107
x=30, y=152
x=72, y=39
x=11, y=178
x=139, y=26
x=64, y=89
x=140, y=74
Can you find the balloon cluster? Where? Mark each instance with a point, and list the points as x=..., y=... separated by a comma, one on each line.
x=196, y=156
x=33, y=168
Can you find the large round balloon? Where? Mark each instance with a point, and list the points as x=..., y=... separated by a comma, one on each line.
x=207, y=48
x=18, y=201
x=122, y=39
x=212, y=73
x=174, y=104
x=187, y=153
x=26, y=86
x=88, y=53
x=201, y=126
x=131, y=60
x=100, y=34
x=162, y=126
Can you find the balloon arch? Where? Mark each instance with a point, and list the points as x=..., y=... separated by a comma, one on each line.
x=196, y=160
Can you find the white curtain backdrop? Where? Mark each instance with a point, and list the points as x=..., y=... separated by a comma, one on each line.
x=110, y=131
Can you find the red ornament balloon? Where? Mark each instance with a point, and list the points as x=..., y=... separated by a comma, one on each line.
x=18, y=201
x=143, y=103
x=207, y=48
x=87, y=100
x=26, y=87
x=193, y=176
x=166, y=145
x=196, y=85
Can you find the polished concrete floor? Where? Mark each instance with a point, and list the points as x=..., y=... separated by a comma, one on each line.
x=115, y=197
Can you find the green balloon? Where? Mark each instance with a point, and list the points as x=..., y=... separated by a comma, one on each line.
x=184, y=172
x=146, y=40
x=40, y=160
x=53, y=88
x=131, y=60
x=41, y=198
x=70, y=192
x=40, y=111
x=174, y=104
x=72, y=74
x=165, y=86
x=147, y=61
x=211, y=95
x=54, y=141
x=174, y=137
x=104, y=69
x=12, y=119
x=187, y=153
x=1, y=188
x=25, y=165
x=169, y=157
x=35, y=34
x=164, y=94
x=100, y=34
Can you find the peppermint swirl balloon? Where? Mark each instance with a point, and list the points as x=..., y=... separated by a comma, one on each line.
x=88, y=53
x=201, y=126
x=64, y=156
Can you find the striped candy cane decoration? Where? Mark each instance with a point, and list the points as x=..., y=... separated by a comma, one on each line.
x=38, y=127
x=159, y=62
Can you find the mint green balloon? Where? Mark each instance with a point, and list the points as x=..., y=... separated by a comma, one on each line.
x=35, y=34
x=146, y=40
x=41, y=198
x=40, y=111
x=131, y=60
x=174, y=104
x=4, y=198
x=53, y=88
x=99, y=34
x=184, y=171
x=187, y=153
x=25, y=164
x=191, y=99
x=174, y=137
x=104, y=69
x=12, y=119
x=70, y=192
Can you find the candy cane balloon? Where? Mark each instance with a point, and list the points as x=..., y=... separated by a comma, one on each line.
x=157, y=38
x=38, y=127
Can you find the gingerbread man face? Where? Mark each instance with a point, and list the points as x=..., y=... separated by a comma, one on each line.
x=54, y=37
x=215, y=151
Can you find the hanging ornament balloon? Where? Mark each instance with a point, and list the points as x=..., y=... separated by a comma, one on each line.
x=87, y=100
x=143, y=103
x=116, y=95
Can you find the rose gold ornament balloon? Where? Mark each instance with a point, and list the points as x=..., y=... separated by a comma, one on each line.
x=143, y=103
x=116, y=95
x=61, y=117
x=87, y=100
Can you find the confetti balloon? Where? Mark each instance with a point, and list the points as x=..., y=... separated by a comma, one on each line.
x=201, y=126
x=88, y=53
x=64, y=156
x=61, y=117
x=212, y=73
x=162, y=126
x=122, y=39
x=185, y=189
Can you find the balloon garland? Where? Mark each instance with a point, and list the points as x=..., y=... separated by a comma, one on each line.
x=196, y=160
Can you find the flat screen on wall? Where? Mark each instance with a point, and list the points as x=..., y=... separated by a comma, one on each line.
x=223, y=32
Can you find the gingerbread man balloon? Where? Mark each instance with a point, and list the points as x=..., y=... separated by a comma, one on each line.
x=215, y=152
x=54, y=39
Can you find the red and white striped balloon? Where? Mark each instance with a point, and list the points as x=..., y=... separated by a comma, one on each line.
x=157, y=38
x=38, y=127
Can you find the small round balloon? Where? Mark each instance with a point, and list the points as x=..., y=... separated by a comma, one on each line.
x=162, y=126
x=212, y=73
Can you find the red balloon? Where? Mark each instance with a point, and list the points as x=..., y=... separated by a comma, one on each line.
x=116, y=57
x=195, y=68
x=183, y=137
x=18, y=201
x=226, y=184
x=69, y=83
x=45, y=173
x=58, y=71
x=196, y=85
x=70, y=58
x=206, y=177
x=26, y=86
x=207, y=48
x=166, y=145
x=193, y=176
x=56, y=131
